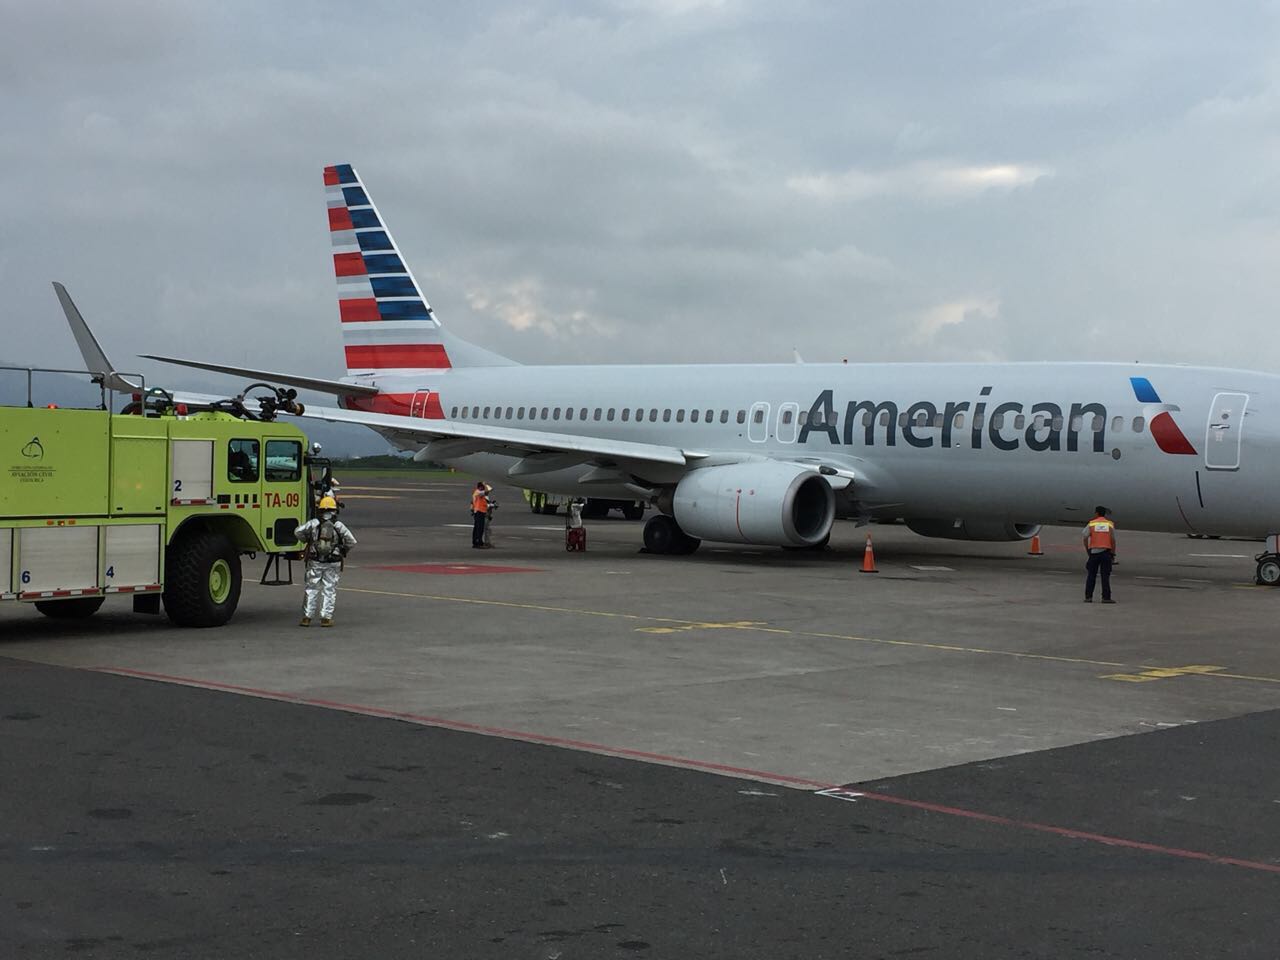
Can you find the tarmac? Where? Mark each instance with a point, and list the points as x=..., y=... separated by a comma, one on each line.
x=749, y=752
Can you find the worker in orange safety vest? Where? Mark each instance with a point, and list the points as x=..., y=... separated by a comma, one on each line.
x=1100, y=545
x=479, y=515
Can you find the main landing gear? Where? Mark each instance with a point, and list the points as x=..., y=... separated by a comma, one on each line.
x=663, y=535
x=1268, y=569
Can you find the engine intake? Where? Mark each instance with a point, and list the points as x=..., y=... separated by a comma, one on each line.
x=759, y=502
x=980, y=529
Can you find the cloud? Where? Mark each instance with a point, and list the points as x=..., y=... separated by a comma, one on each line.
x=924, y=180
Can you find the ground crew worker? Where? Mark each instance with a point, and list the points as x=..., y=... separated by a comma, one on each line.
x=1100, y=545
x=328, y=540
x=492, y=501
x=479, y=516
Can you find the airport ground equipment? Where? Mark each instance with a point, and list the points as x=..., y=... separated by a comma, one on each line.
x=1268, y=573
x=159, y=502
x=595, y=509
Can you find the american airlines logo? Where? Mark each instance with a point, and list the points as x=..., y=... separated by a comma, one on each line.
x=1044, y=426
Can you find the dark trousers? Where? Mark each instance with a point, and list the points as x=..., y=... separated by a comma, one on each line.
x=477, y=530
x=1098, y=562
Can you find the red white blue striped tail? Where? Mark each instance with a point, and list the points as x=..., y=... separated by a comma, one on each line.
x=387, y=324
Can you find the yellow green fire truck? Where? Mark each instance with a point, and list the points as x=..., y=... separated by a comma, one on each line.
x=158, y=502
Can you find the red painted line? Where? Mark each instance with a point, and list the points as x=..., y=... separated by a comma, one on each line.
x=687, y=763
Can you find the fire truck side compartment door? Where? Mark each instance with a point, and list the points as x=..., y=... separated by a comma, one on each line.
x=132, y=555
x=192, y=476
x=6, y=563
x=137, y=475
x=57, y=558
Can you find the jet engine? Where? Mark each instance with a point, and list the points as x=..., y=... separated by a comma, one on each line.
x=758, y=502
x=974, y=529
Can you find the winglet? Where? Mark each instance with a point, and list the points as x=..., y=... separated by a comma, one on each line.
x=95, y=358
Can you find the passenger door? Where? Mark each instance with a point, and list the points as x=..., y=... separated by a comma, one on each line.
x=1224, y=431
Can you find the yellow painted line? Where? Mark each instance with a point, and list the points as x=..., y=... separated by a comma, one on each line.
x=1164, y=673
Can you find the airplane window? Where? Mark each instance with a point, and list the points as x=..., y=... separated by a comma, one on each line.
x=465, y=412
x=937, y=421
x=555, y=414
x=1057, y=423
x=835, y=419
x=710, y=415
x=693, y=416
x=653, y=415
x=1138, y=424
x=666, y=415
x=1117, y=424
x=486, y=413
x=724, y=416
x=786, y=416
x=759, y=416
x=453, y=414
x=508, y=413
x=997, y=422
x=597, y=415
x=519, y=413
x=568, y=413
x=742, y=416
x=1098, y=423
x=884, y=418
x=680, y=416
x=626, y=414
x=804, y=418
x=867, y=418
x=1077, y=424
x=544, y=413
x=582, y=414
x=639, y=415
x=977, y=421
x=959, y=421
x=902, y=419
x=610, y=415
x=1020, y=421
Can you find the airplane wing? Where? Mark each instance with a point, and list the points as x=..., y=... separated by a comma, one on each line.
x=95, y=358
x=317, y=384
x=541, y=449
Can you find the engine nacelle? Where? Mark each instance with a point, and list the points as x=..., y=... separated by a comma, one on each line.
x=974, y=529
x=759, y=502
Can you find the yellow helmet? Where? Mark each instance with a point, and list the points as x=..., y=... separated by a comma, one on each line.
x=328, y=503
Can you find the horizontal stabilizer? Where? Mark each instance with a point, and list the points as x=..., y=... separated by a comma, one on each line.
x=336, y=387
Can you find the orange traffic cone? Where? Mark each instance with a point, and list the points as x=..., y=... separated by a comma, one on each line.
x=868, y=558
x=1035, y=550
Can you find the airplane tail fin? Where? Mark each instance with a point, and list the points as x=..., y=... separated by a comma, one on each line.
x=387, y=324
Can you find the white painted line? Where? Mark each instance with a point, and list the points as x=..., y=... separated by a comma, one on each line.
x=923, y=567
x=1189, y=580
x=1221, y=556
x=1148, y=578
x=840, y=793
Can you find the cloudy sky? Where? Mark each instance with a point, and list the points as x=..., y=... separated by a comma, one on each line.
x=652, y=180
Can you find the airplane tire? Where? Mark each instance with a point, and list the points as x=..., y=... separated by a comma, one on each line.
x=686, y=545
x=633, y=511
x=535, y=502
x=202, y=579
x=1269, y=571
x=76, y=608
x=660, y=534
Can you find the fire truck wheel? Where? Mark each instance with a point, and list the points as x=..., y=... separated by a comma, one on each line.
x=202, y=579
x=76, y=609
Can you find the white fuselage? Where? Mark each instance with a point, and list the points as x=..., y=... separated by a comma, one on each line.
x=923, y=440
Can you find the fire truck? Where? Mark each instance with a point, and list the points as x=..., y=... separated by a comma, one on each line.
x=158, y=502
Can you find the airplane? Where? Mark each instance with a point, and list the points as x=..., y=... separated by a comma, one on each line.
x=774, y=454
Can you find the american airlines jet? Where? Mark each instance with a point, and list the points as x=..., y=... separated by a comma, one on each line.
x=775, y=454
